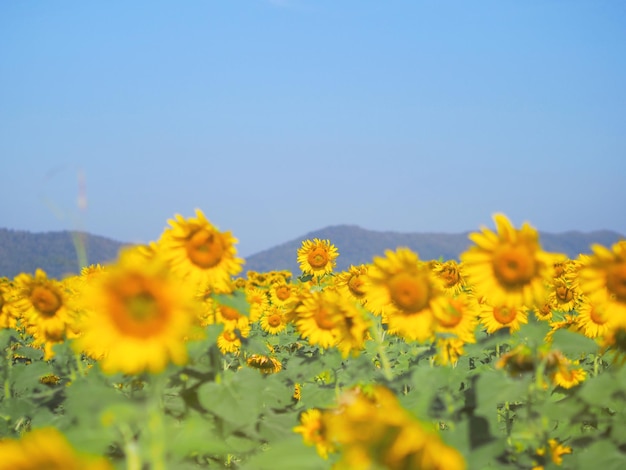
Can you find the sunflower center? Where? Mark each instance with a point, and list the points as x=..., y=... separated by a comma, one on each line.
x=283, y=292
x=409, y=292
x=564, y=294
x=137, y=307
x=274, y=320
x=355, y=284
x=596, y=316
x=616, y=281
x=544, y=311
x=205, y=249
x=324, y=319
x=229, y=313
x=318, y=258
x=514, y=265
x=229, y=336
x=45, y=300
x=504, y=315
x=450, y=276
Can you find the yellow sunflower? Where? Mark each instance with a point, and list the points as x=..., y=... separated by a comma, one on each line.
x=258, y=300
x=46, y=448
x=138, y=316
x=265, y=364
x=317, y=257
x=198, y=252
x=43, y=305
x=496, y=317
x=7, y=318
x=563, y=295
x=508, y=267
x=229, y=341
x=452, y=276
x=458, y=317
x=320, y=316
x=273, y=320
x=592, y=320
x=405, y=291
x=603, y=279
x=350, y=283
x=313, y=432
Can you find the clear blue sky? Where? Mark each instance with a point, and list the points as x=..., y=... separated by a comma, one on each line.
x=277, y=118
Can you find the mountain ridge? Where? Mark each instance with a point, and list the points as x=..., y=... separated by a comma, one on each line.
x=55, y=251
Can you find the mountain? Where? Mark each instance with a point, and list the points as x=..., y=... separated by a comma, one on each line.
x=357, y=246
x=54, y=252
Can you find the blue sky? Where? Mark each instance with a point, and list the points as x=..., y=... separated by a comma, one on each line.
x=277, y=118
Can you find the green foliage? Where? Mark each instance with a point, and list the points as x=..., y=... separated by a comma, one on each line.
x=218, y=412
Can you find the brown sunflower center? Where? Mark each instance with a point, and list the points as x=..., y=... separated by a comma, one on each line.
x=504, y=315
x=450, y=276
x=229, y=313
x=274, y=320
x=355, y=284
x=409, y=292
x=616, y=281
x=514, y=265
x=318, y=258
x=564, y=293
x=45, y=300
x=137, y=306
x=544, y=311
x=283, y=292
x=229, y=336
x=205, y=249
x=323, y=318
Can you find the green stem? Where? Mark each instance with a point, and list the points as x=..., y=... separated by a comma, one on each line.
x=131, y=449
x=382, y=353
x=155, y=424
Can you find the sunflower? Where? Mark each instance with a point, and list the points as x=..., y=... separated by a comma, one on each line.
x=320, y=316
x=452, y=276
x=138, y=316
x=273, y=320
x=229, y=341
x=7, y=319
x=265, y=364
x=508, y=267
x=613, y=343
x=405, y=291
x=43, y=305
x=458, y=317
x=258, y=300
x=603, y=279
x=231, y=318
x=313, y=431
x=46, y=448
x=496, y=317
x=317, y=257
x=198, y=252
x=563, y=295
x=449, y=349
x=350, y=283
x=592, y=320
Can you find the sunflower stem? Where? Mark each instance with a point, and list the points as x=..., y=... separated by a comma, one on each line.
x=155, y=423
x=131, y=449
x=382, y=353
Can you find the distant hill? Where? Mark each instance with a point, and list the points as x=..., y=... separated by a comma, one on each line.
x=357, y=246
x=54, y=252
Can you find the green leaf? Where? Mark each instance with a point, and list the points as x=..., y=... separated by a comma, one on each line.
x=573, y=345
x=288, y=454
x=236, y=300
x=601, y=454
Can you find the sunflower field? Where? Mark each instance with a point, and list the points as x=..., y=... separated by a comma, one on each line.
x=174, y=357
